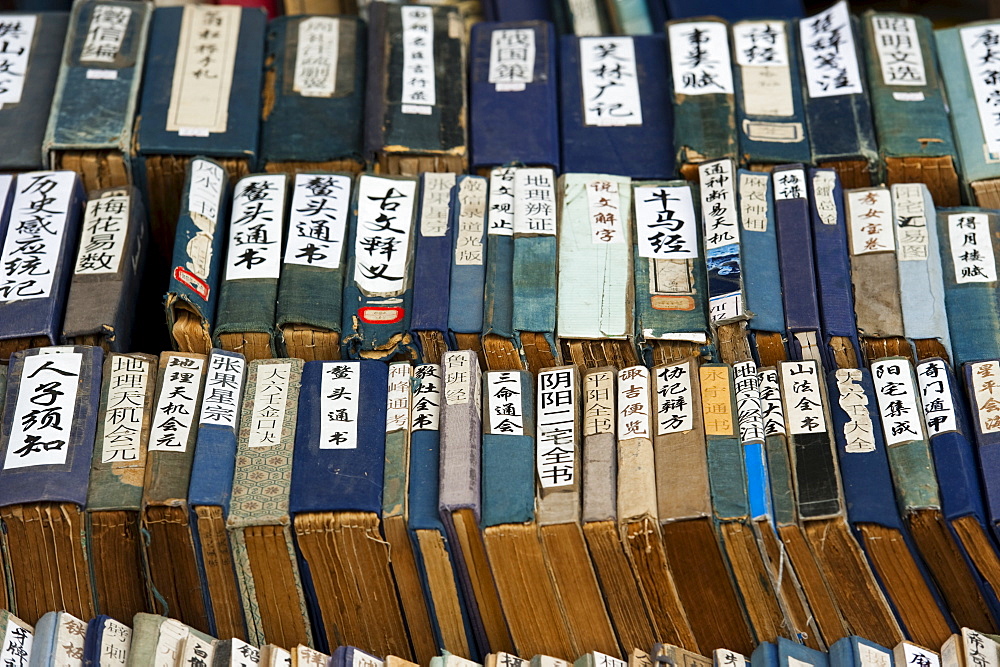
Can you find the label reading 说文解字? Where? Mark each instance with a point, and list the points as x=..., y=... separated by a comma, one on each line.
x=604, y=211
x=985, y=389
x=971, y=248
x=753, y=202
x=102, y=241
x=556, y=428
x=203, y=71
x=317, y=222
x=44, y=411
x=108, y=26
x=471, y=222
x=859, y=434
x=125, y=408
x=500, y=217
x=665, y=222
x=176, y=405
x=220, y=403
x=255, y=230
x=270, y=400
x=461, y=382
x=770, y=403
x=789, y=184
x=67, y=645
x=362, y=659
x=31, y=251
x=716, y=400
x=116, y=640
x=699, y=58
x=435, y=203
x=802, y=400
x=425, y=412
x=761, y=52
x=979, y=44
x=534, y=201
x=242, y=654
x=674, y=398
x=17, y=643
x=829, y=55
x=609, y=82
x=824, y=183
x=598, y=402
x=869, y=216
x=18, y=37
x=898, y=46
x=505, y=403
x=384, y=228
x=749, y=412
x=316, y=54
x=512, y=59
x=418, y=94
x=896, y=393
x=910, y=221
x=340, y=391
x=397, y=404
x=936, y=398
x=633, y=403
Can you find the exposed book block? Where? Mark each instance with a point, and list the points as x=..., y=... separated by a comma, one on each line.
x=980, y=393
x=415, y=106
x=311, y=285
x=107, y=643
x=434, y=239
x=322, y=7
x=469, y=258
x=97, y=92
x=501, y=348
x=314, y=75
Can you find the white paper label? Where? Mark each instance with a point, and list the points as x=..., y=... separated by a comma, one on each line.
x=108, y=25
x=397, y=408
x=103, y=74
x=599, y=402
x=770, y=403
x=361, y=659
x=168, y=644
x=382, y=243
x=718, y=205
x=67, y=650
x=753, y=202
x=760, y=43
x=980, y=43
x=18, y=32
x=980, y=651
x=176, y=406
x=102, y=242
x=909, y=96
x=316, y=57
x=898, y=46
x=318, y=220
x=471, y=222
x=897, y=401
x=603, y=207
x=207, y=181
x=556, y=428
x=803, y=401
x=279, y=657
x=269, y=401
x=116, y=640
x=307, y=656
x=508, y=660
x=910, y=222
x=824, y=183
x=761, y=51
x=242, y=654
x=17, y=642
x=674, y=399
x=506, y=413
x=869, y=656
x=418, y=60
x=859, y=434
x=220, y=404
x=986, y=387
x=699, y=58
x=609, y=82
x=604, y=660
x=586, y=20
x=633, y=403
x=534, y=201
x=203, y=72
x=935, y=397
x=197, y=652
x=255, y=230
x=34, y=236
x=919, y=656
x=789, y=184
x=723, y=657
x=126, y=404
x=870, y=216
x=665, y=222
x=749, y=413
x=461, y=381
x=971, y=248
x=512, y=59
x=828, y=53
x=500, y=218
x=795, y=662
x=340, y=391
x=425, y=413
x=435, y=203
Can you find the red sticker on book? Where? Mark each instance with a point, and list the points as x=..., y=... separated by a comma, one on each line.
x=199, y=286
x=381, y=315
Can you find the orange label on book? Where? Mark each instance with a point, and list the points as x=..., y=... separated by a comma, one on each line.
x=716, y=400
x=672, y=302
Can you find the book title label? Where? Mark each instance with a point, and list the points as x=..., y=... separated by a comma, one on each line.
x=435, y=203
x=980, y=650
x=761, y=50
x=67, y=648
x=31, y=251
x=665, y=222
x=203, y=72
x=979, y=44
x=205, y=194
x=936, y=397
x=598, y=402
x=102, y=242
x=242, y=654
x=633, y=403
x=985, y=380
x=749, y=412
x=508, y=660
x=556, y=428
x=609, y=82
x=177, y=404
x=270, y=400
x=674, y=399
x=462, y=382
x=770, y=402
x=425, y=414
x=722, y=240
x=605, y=660
x=116, y=639
x=760, y=43
x=362, y=659
x=909, y=217
x=789, y=184
x=471, y=222
x=723, y=657
x=716, y=400
x=859, y=433
x=699, y=58
x=917, y=655
x=534, y=202
x=896, y=392
x=17, y=641
x=382, y=238
x=44, y=411
x=803, y=402
x=869, y=656
x=829, y=53
x=18, y=36
x=504, y=403
x=256, y=227
x=512, y=59
x=419, y=94
x=340, y=392
x=197, y=651
x=823, y=185
x=870, y=216
x=971, y=248
x=604, y=210
x=397, y=405
x=753, y=202
x=307, y=656
x=500, y=218
x=897, y=44
x=126, y=407
x=223, y=394
x=107, y=30
x=318, y=220
x=168, y=643
x=316, y=54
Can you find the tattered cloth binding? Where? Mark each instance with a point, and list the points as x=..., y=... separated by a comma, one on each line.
x=434, y=238
x=469, y=201
x=93, y=110
x=416, y=97
x=314, y=76
x=501, y=348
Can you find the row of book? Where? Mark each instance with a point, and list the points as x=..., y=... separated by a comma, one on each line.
x=407, y=509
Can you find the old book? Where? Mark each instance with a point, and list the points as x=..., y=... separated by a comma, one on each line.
x=513, y=88
x=303, y=656
x=838, y=110
x=114, y=498
x=211, y=486
x=631, y=614
x=915, y=141
x=671, y=290
x=969, y=647
x=193, y=650
x=594, y=316
x=580, y=17
x=314, y=75
x=979, y=391
x=311, y=285
x=169, y=548
x=104, y=290
x=348, y=656
x=259, y=519
x=199, y=250
x=501, y=348
x=675, y=655
x=615, y=114
x=468, y=264
x=434, y=239
x=235, y=653
x=245, y=321
x=159, y=641
x=770, y=111
x=908, y=652
x=59, y=640
x=865, y=467
x=855, y=651
x=378, y=278
x=97, y=92
x=43, y=215
x=107, y=643
x=192, y=105
x=18, y=637
x=703, y=99
x=274, y=656
x=415, y=105
x=336, y=506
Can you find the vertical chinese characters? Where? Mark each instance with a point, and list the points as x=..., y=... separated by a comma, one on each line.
x=556, y=428
x=829, y=54
x=803, y=400
x=753, y=202
x=316, y=57
x=270, y=402
x=382, y=238
x=176, y=406
x=604, y=209
x=699, y=57
x=898, y=46
x=870, y=217
x=512, y=59
x=609, y=80
x=397, y=412
x=665, y=222
x=971, y=248
x=749, y=413
x=910, y=220
x=471, y=218
x=936, y=397
x=506, y=410
x=534, y=202
x=599, y=402
x=986, y=392
x=722, y=240
x=105, y=226
x=340, y=389
x=500, y=217
x=633, y=403
x=674, y=400
x=223, y=390
x=255, y=229
x=108, y=26
x=426, y=408
x=318, y=220
x=123, y=415
x=435, y=203
x=17, y=32
x=859, y=435
x=419, y=91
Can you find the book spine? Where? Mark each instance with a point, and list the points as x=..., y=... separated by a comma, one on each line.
x=796, y=258
x=498, y=298
x=600, y=447
x=725, y=457
x=508, y=481
x=396, y=473
x=557, y=450
x=759, y=241
x=636, y=483
x=432, y=262
x=425, y=448
x=722, y=243
x=779, y=465
x=979, y=387
x=461, y=431
x=469, y=255
x=630, y=17
x=750, y=421
x=534, y=267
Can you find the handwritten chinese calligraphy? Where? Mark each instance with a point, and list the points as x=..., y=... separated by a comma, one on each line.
x=500, y=218
x=16, y=647
x=270, y=398
x=223, y=390
x=789, y=184
x=604, y=209
x=598, y=402
x=699, y=58
x=896, y=392
x=107, y=29
x=674, y=399
x=176, y=405
x=770, y=402
x=985, y=382
x=124, y=412
x=919, y=656
x=425, y=413
x=633, y=403
x=340, y=393
x=981, y=44
x=761, y=52
x=17, y=34
x=105, y=226
x=898, y=46
x=44, y=411
x=823, y=185
x=980, y=651
x=68, y=645
x=971, y=248
x=505, y=403
x=382, y=239
x=256, y=228
x=753, y=202
x=869, y=214
x=717, y=400
x=419, y=93
x=829, y=53
x=318, y=220
x=471, y=222
x=397, y=404
x=910, y=221
x=722, y=240
x=116, y=640
x=435, y=203
x=534, y=201
x=362, y=659
x=316, y=54
x=936, y=397
x=462, y=381
x=197, y=652
x=512, y=59
x=556, y=428
x=723, y=657
x=859, y=434
x=749, y=414
x=242, y=654
x=609, y=82
x=802, y=397
x=665, y=222
x=604, y=660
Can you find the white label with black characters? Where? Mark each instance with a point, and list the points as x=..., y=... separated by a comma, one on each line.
x=749, y=412
x=980, y=45
x=223, y=396
x=397, y=405
x=469, y=250
x=936, y=398
x=17, y=34
x=829, y=54
x=255, y=228
x=425, y=412
x=500, y=217
x=176, y=405
x=535, y=201
x=633, y=403
x=506, y=407
x=753, y=202
x=556, y=428
x=316, y=54
x=125, y=408
x=896, y=393
x=102, y=242
x=340, y=392
x=108, y=25
x=665, y=222
x=512, y=59
x=789, y=184
x=870, y=216
x=609, y=82
x=435, y=203
x=116, y=640
x=699, y=58
x=599, y=402
x=859, y=434
x=674, y=399
x=604, y=210
x=382, y=242
x=270, y=400
x=909, y=217
x=898, y=46
x=770, y=402
x=971, y=248
x=317, y=222
x=419, y=93
x=803, y=402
